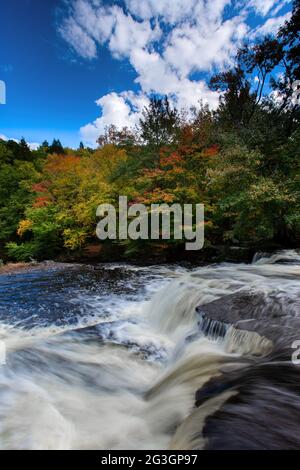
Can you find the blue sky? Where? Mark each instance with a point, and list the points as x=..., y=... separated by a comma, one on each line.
x=59, y=57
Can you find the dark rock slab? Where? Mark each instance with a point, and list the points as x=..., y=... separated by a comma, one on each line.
x=264, y=411
x=273, y=316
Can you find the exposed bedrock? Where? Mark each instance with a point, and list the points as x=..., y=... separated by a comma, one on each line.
x=273, y=315
x=263, y=411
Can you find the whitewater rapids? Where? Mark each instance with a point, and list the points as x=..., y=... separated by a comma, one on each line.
x=112, y=358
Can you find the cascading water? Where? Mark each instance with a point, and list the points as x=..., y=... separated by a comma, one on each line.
x=112, y=358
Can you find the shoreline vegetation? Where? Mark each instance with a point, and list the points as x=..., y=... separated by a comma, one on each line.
x=240, y=160
x=231, y=254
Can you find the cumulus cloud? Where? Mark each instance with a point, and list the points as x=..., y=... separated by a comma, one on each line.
x=129, y=35
x=121, y=110
x=90, y=24
x=155, y=75
x=200, y=49
x=166, y=42
x=96, y=20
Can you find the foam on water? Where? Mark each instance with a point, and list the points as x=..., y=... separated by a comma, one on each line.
x=111, y=359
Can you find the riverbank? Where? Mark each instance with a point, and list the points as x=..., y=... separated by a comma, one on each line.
x=161, y=253
x=93, y=256
x=11, y=268
x=15, y=267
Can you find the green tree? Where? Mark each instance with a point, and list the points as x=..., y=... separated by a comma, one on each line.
x=160, y=123
x=56, y=147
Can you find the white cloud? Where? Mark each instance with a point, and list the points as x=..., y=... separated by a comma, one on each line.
x=176, y=11
x=169, y=11
x=129, y=34
x=272, y=25
x=90, y=24
x=263, y=7
x=191, y=92
x=33, y=145
x=279, y=7
x=200, y=49
x=166, y=42
x=81, y=42
x=122, y=110
x=156, y=76
x=96, y=20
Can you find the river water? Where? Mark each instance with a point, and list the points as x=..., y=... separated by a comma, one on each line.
x=110, y=357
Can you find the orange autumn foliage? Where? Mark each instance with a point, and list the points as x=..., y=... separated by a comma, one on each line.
x=41, y=201
x=212, y=151
x=62, y=163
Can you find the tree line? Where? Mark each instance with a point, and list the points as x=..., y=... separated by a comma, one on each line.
x=241, y=160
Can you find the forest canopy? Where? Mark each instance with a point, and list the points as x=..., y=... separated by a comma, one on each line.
x=241, y=160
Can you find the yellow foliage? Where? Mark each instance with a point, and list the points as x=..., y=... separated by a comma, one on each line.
x=74, y=239
x=24, y=226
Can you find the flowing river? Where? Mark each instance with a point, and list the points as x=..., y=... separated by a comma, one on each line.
x=115, y=356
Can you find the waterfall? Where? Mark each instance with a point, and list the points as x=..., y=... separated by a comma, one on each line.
x=128, y=357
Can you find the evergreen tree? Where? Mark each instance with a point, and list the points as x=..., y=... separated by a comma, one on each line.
x=56, y=147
